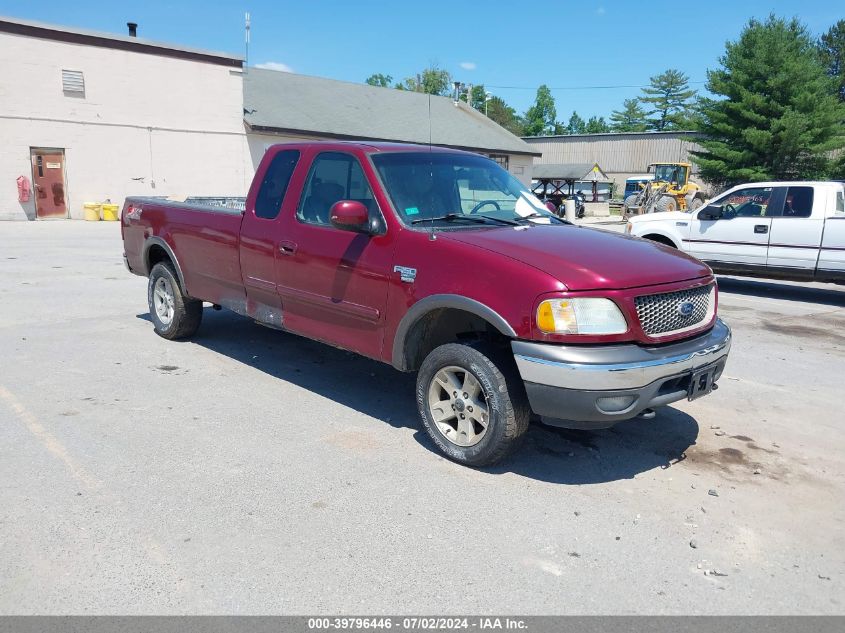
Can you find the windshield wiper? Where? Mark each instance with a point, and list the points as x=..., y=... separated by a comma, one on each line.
x=532, y=216
x=475, y=219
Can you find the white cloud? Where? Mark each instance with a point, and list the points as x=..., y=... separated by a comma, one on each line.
x=601, y=11
x=275, y=66
x=467, y=65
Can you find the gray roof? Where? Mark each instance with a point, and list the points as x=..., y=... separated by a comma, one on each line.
x=276, y=101
x=569, y=171
x=48, y=31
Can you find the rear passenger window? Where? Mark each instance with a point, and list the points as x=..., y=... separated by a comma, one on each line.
x=799, y=202
x=268, y=203
x=334, y=177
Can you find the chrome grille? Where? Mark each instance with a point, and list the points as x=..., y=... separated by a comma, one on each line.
x=660, y=314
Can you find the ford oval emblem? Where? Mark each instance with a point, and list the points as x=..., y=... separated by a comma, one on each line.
x=686, y=308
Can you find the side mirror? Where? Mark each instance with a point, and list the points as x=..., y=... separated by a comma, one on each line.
x=711, y=212
x=350, y=215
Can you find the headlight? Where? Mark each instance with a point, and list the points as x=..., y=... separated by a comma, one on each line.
x=593, y=315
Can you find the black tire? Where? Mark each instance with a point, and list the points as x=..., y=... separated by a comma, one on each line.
x=504, y=392
x=695, y=204
x=186, y=312
x=666, y=203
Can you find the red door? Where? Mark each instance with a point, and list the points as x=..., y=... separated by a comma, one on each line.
x=48, y=180
x=333, y=283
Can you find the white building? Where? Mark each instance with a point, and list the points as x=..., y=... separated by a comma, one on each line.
x=90, y=117
x=113, y=116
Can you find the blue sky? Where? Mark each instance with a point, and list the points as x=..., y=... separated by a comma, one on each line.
x=512, y=47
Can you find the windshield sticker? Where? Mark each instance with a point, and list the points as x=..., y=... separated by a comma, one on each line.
x=412, y=211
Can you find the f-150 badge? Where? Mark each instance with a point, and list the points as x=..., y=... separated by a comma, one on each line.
x=408, y=275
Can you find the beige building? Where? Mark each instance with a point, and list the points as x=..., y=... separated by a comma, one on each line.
x=620, y=154
x=90, y=117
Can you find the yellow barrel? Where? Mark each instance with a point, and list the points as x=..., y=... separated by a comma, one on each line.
x=92, y=211
x=111, y=212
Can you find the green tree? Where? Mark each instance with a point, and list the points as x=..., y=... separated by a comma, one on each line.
x=778, y=117
x=669, y=97
x=504, y=115
x=540, y=118
x=433, y=80
x=832, y=50
x=479, y=94
x=382, y=81
x=576, y=125
x=596, y=125
x=631, y=118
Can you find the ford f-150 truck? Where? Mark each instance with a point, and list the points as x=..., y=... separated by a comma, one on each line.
x=784, y=230
x=438, y=261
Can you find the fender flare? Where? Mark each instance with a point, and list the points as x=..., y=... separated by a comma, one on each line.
x=157, y=241
x=436, y=302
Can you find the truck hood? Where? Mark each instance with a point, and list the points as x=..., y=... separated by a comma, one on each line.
x=587, y=259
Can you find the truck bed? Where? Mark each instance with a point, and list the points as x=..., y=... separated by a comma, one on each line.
x=203, y=237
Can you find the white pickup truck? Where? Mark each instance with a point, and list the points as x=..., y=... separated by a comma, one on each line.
x=785, y=230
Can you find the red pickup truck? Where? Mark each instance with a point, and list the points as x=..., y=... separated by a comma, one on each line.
x=440, y=262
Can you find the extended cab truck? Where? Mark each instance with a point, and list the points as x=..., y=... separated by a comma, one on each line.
x=438, y=261
x=785, y=230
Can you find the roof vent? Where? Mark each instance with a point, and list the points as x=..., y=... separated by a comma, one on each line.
x=133, y=29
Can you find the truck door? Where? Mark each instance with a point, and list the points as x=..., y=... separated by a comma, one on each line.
x=261, y=235
x=741, y=234
x=333, y=283
x=796, y=234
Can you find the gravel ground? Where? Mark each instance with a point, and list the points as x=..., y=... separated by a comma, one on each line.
x=250, y=471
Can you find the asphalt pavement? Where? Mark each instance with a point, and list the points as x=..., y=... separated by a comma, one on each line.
x=249, y=471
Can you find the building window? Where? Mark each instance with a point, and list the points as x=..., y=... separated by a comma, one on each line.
x=73, y=83
x=501, y=160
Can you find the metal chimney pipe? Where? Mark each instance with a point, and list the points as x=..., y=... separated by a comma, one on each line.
x=133, y=29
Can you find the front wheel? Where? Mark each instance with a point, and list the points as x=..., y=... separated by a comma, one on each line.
x=472, y=403
x=173, y=313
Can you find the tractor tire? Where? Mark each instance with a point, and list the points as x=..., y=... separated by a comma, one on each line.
x=665, y=203
x=629, y=202
x=696, y=203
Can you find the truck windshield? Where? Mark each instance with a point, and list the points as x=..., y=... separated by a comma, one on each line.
x=440, y=186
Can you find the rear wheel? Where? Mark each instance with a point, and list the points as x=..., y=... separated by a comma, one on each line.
x=174, y=314
x=696, y=203
x=472, y=403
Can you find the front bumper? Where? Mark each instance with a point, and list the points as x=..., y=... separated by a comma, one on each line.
x=577, y=383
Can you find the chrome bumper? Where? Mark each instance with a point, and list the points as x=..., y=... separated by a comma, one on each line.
x=617, y=366
x=573, y=382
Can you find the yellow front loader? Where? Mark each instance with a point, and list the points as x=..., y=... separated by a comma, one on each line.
x=671, y=190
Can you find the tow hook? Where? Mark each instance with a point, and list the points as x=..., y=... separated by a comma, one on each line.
x=647, y=414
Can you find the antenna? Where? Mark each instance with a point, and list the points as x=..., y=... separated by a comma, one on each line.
x=246, y=39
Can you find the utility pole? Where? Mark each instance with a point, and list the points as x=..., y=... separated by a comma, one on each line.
x=246, y=39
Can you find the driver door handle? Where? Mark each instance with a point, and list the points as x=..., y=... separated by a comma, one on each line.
x=287, y=248
x=761, y=228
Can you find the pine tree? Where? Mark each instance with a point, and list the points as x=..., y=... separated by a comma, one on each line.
x=540, y=117
x=832, y=49
x=576, y=125
x=631, y=118
x=670, y=99
x=596, y=125
x=778, y=117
